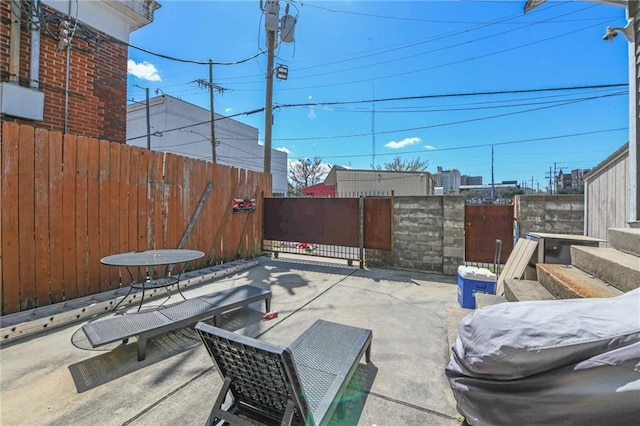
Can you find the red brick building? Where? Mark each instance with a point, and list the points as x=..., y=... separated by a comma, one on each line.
x=84, y=82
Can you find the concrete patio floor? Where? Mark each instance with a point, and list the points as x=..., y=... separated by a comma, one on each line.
x=56, y=378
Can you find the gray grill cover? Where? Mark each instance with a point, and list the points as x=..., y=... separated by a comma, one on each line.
x=559, y=362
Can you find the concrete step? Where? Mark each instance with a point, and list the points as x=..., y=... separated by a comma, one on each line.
x=525, y=290
x=569, y=282
x=484, y=299
x=625, y=239
x=621, y=270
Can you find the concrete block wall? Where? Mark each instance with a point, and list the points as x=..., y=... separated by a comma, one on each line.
x=453, y=234
x=428, y=231
x=428, y=234
x=560, y=214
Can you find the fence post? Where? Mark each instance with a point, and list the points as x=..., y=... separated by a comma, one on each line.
x=361, y=230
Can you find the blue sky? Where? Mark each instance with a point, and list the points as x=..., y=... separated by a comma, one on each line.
x=441, y=54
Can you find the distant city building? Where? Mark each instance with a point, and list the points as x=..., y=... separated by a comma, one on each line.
x=575, y=179
x=470, y=180
x=448, y=180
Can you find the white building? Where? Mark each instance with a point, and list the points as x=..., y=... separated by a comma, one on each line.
x=184, y=129
x=355, y=183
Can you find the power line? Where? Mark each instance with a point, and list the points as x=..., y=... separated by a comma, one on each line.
x=457, y=95
x=593, y=132
x=451, y=123
x=438, y=96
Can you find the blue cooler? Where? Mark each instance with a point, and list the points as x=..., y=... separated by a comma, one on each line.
x=471, y=280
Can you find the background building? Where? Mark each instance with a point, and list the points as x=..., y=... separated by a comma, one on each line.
x=77, y=87
x=355, y=183
x=574, y=180
x=448, y=180
x=183, y=128
x=470, y=180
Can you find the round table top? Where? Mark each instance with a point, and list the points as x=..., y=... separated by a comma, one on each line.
x=152, y=257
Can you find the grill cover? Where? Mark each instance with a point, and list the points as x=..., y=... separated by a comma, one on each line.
x=574, y=361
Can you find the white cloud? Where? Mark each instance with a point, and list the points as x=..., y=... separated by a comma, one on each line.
x=430, y=147
x=403, y=143
x=228, y=110
x=143, y=70
x=283, y=149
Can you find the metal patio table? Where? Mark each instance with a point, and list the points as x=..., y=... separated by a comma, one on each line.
x=147, y=263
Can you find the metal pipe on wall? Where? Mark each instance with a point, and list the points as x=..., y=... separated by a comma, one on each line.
x=34, y=65
x=14, y=46
x=66, y=82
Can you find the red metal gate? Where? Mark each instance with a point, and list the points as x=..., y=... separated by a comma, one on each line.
x=328, y=227
x=483, y=226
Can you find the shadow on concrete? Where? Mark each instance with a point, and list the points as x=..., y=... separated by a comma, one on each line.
x=118, y=360
x=316, y=264
x=355, y=397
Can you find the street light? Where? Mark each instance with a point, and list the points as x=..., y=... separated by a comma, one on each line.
x=282, y=71
x=206, y=137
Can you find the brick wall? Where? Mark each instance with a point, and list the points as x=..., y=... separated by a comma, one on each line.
x=97, y=78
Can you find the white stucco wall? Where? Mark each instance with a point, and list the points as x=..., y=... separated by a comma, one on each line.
x=117, y=18
x=238, y=142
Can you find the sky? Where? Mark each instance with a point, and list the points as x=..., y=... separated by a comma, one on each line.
x=477, y=86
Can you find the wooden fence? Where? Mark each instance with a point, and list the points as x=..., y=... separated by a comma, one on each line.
x=67, y=201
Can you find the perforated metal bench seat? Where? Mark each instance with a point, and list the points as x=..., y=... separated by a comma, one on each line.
x=147, y=324
x=301, y=384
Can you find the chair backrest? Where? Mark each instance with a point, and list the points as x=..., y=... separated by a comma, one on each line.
x=263, y=376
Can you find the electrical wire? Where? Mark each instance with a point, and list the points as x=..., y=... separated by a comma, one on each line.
x=439, y=96
x=484, y=145
x=476, y=108
x=457, y=95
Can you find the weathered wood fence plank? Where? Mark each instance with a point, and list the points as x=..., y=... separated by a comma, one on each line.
x=67, y=201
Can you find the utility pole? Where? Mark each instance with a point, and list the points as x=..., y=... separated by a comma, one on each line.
x=211, y=86
x=268, y=104
x=531, y=183
x=273, y=24
x=146, y=92
x=213, y=127
x=493, y=186
x=373, y=128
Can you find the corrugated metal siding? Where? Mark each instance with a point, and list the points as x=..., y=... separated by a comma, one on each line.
x=372, y=182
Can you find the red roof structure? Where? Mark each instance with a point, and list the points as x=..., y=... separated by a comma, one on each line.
x=320, y=190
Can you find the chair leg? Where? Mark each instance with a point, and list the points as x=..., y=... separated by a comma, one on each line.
x=219, y=401
x=367, y=353
x=142, y=347
x=287, y=418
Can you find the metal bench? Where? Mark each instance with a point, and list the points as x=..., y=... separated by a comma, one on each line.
x=147, y=324
x=301, y=384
